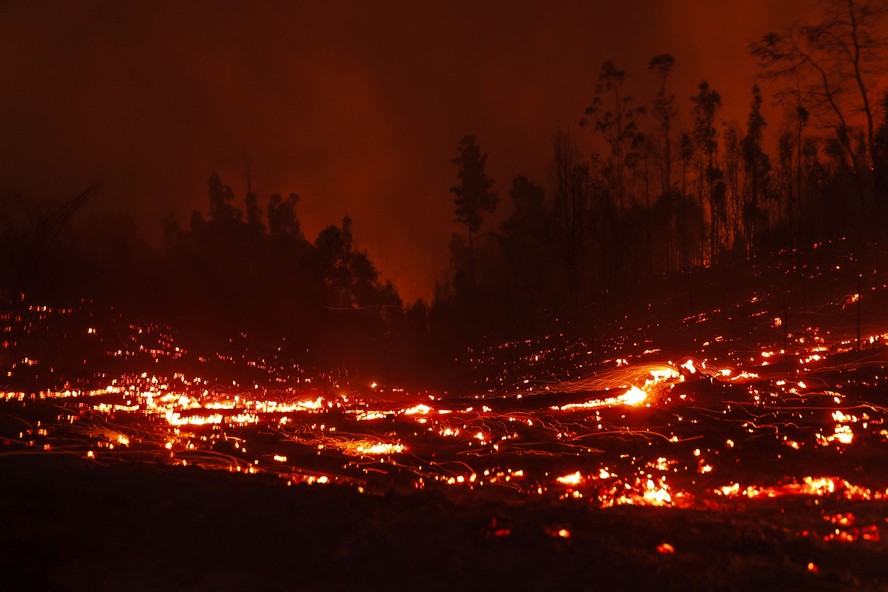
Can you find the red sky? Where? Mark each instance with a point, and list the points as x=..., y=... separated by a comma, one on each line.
x=357, y=106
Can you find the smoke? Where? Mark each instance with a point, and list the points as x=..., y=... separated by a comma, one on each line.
x=357, y=107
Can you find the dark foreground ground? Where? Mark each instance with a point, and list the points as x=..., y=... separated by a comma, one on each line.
x=69, y=524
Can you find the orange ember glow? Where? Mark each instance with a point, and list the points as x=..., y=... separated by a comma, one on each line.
x=701, y=432
x=665, y=549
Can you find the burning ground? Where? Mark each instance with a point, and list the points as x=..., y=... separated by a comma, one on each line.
x=737, y=442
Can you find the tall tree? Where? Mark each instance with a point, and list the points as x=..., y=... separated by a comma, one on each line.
x=835, y=57
x=852, y=36
x=733, y=164
x=785, y=171
x=757, y=165
x=570, y=176
x=664, y=112
x=798, y=116
x=525, y=249
x=686, y=155
x=614, y=116
x=707, y=102
x=282, y=220
x=221, y=199
x=474, y=193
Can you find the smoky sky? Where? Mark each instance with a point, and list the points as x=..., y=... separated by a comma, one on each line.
x=356, y=106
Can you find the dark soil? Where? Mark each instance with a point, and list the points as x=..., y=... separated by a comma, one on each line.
x=68, y=524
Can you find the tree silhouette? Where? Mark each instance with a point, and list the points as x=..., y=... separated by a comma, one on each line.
x=614, y=116
x=757, y=165
x=29, y=231
x=525, y=249
x=281, y=213
x=707, y=102
x=570, y=208
x=833, y=58
x=664, y=113
x=473, y=192
x=350, y=277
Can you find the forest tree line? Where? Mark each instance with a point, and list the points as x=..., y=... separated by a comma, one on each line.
x=674, y=187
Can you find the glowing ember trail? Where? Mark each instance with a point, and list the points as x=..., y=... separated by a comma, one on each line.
x=727, y=424
x=512, y=442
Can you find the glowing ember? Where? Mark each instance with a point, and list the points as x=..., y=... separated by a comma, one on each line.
x=633, y=397
x=420, y=409
x=842, y=435
x=572, y=479
x=665, y=549
x=381, y=448
x=657, y=493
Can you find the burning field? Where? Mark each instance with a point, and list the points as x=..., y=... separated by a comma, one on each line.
x=738, y=447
